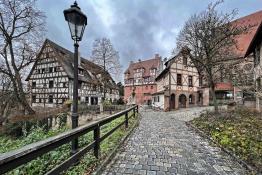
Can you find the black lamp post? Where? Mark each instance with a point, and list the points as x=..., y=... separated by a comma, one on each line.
x=77, y=22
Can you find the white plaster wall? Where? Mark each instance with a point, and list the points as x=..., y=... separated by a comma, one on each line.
x=159, y=104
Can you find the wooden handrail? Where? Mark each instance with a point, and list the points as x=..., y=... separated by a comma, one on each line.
x=13, y=159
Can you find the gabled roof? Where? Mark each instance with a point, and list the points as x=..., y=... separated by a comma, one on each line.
x=66, y=57
x=222, y=86
x=252, y=22
x=147, y=65
x=183, y=52
x=255, y=40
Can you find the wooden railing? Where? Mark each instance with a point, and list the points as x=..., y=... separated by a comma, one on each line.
x=13, y=159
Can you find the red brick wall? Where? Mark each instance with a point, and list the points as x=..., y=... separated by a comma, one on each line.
x=143, y=93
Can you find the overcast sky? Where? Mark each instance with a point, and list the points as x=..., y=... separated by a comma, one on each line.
x=137, y=28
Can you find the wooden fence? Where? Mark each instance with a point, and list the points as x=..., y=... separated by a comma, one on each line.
x=13, y=159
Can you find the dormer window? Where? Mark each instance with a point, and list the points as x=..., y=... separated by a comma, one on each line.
x=80, y=71
x=153, y=71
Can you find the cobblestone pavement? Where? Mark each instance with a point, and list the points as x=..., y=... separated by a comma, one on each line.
x=163, y=144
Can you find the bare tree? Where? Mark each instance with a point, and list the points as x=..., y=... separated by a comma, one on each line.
x=107, y=57
x=21, y=32
x=210, y=37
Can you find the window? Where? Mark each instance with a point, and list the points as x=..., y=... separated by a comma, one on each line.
x=80, y=71
x=200, y=80
x=152, y=87
x=87, y=99
x=179, y=79
x=156, y=99
x=33, y=98
x=153, y=71
x=47, y=55
x=146, y=87
x=43, y=70
x=79, y=85
x=94, y=100
x=185, y=61
x=190, y=81
x=51, y=84
x=38, y=71
x=190, y=99
x=64, y=85
x=51, y=69
x=33, y=84
x=50, y=99
x=94, y=88
x=259, y=83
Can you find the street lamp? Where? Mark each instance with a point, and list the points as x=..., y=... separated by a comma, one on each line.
x=77, y=22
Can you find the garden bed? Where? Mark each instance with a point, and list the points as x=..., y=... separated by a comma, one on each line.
x=238, y=131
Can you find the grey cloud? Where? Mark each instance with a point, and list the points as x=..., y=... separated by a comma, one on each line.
x=138, y=28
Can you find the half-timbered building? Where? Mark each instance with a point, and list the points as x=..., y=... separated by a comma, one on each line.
x=179, y=85
x=51, y=78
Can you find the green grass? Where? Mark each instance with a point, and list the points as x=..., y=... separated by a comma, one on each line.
x=239, y=131
x=49, y=160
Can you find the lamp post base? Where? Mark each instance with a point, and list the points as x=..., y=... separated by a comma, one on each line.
x=74, y=145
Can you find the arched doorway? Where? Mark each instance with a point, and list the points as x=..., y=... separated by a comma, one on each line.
x=172, y=101
x=182, y=101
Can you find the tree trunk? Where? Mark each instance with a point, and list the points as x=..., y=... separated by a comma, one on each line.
x=18, y=87
x=104, y=78
x=214, y=97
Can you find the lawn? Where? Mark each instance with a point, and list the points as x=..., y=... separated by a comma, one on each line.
x=239, y=131
x=48, y=161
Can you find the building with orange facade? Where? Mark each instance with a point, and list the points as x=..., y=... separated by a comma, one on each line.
x=139, y=80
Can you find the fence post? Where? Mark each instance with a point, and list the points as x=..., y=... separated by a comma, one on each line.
x=97, y=141
x=136, y=108
x=126, y=119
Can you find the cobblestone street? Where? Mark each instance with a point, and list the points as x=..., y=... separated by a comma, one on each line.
x=163, y=144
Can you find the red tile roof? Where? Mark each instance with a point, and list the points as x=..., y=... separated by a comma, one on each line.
x=224, y=87
x=146, y=64
x=251, y=21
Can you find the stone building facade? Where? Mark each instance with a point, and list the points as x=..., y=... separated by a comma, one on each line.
x=140, y=82
x=255, y=48
x=239, y=63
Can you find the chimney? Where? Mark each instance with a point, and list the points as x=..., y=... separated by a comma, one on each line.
x=156, y=55
x=131, y=62
x=139, y=60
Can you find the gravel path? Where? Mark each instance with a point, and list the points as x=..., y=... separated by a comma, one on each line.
x=163, y=144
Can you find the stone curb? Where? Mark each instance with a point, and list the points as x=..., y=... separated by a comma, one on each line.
x=230, y=153
x=115, y=150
